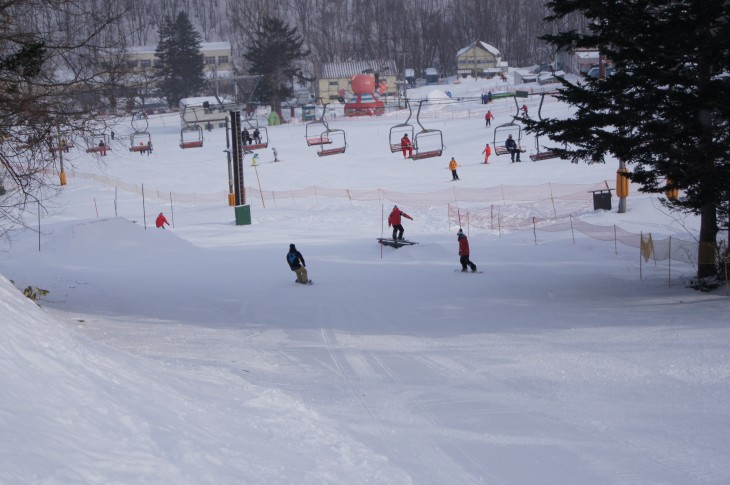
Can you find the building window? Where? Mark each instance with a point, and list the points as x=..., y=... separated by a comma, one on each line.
x=334, y=83
x=145, y=63
x=209, y=60
x=132, y=64
x=157, y=62
x=222, y=59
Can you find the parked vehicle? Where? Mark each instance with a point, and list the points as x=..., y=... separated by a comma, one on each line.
x=593, y=72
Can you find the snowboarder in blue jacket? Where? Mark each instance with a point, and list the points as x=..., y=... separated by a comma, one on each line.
x=297, y=264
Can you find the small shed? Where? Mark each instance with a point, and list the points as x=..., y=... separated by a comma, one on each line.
x=432, y=75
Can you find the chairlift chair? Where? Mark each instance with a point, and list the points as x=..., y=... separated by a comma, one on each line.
x=502, y=132
x=428, y=142
x=253, y=124
x=545, y=154
x=191, y=137
x=93, y=146
x=336, y=138
x=140, y=141
x=398, y=131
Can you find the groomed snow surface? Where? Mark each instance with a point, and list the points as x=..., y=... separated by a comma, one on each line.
x=190, y=356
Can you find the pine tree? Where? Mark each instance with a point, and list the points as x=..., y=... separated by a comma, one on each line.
x=274, y=48
x=180, y=71
x=665, y=111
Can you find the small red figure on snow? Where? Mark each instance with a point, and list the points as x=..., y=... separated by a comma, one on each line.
x=161, y=221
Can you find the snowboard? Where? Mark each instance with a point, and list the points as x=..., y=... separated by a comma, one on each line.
x=309, y=282
x=395, y=243
x=468, y=271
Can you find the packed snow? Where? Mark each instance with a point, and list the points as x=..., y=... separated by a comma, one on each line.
x=188, y=355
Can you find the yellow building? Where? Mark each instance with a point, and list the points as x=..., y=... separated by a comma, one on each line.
x=479, y=59
x=334, y=78
x=218, y=56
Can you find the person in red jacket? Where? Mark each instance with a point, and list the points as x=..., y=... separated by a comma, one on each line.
x=488, y=117
x=487, y=151
x=464, y=252
x=407, y=146
x=395, y=221
x=161, y=221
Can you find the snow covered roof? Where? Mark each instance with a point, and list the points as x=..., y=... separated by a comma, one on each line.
x=198, y=101
x=204, y=46
x=482, y=45
x=338, y=70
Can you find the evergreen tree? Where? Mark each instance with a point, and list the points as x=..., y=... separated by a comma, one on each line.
x=665, y=111
x=274, y=48
x=180, y=71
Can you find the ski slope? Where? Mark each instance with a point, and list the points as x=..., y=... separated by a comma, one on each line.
x=189, y=356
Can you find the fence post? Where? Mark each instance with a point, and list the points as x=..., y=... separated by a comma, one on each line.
x=670, y=261
x=641, y=242
x=615, y=241
x=499, y=224
x=534, y=230
x=491, y=217
x=144, y=211
x=552, y=199
x=172, y=212
x=571, y=228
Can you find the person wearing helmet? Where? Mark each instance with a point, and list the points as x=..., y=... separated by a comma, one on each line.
x=464, y=252
x=394, y=219
x=297, y=264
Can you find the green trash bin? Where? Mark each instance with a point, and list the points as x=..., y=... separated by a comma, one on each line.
x=243, y=215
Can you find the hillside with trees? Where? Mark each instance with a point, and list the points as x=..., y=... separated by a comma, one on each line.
x=415, y=33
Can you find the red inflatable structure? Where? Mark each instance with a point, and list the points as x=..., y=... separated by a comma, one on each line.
x=364, y=101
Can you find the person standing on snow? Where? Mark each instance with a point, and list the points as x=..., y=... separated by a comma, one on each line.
x=524, y=111
x=453, y=166
x=407, y=146
x=464, y=252
x=487, y=151
x=297, y=264
x=161, y=221
x=488, y=117
x=394, y=219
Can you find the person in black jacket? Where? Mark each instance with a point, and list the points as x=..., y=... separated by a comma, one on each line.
x=297, y=264
x=512, y=148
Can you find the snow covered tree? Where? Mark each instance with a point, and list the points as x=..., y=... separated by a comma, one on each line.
x=665, y=111
x=180, y=70
x=273, y=51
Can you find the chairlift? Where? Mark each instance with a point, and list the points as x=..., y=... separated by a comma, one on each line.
x=326, y=136
x=336, y=138
x=546, y=154
x=398, y=131
x=65, y=143
x=501, y=134
x=314, y=130
x=427, y=143
x=263, y=138
x=140, y=140
x=98, y=142
x=191, y=137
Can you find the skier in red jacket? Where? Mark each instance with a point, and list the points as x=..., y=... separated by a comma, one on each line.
x=464, y=252
x=394, y=220
x=161, y=221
